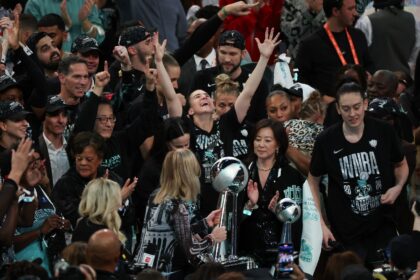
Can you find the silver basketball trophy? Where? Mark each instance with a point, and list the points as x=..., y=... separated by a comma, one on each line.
x=229, y=177
x=287, y=211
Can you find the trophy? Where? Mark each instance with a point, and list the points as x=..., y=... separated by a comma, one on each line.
x=287, y=211
x=229, y=177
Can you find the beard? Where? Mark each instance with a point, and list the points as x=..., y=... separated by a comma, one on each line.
x=229, y=72
x=145, y=59
x=52, y=65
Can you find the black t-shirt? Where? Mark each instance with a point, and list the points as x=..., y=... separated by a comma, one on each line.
x=85, y=229
x=209, y=147
x=240, y=140
x=318, y=62
x=358, y=174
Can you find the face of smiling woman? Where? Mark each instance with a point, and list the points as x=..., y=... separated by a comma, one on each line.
x=88, y=162
x=351, y=106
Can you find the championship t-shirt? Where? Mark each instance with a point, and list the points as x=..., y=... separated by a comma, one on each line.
x=358, y=174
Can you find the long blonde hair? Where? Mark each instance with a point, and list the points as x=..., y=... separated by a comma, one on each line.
x=180, y=177
x=101, y=199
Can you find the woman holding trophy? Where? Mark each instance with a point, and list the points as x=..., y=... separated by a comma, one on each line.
x=271, y=179
x=171, y=218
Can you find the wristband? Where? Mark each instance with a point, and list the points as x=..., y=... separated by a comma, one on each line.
x=28, y=199
x=247, y=212
x=225, y=14
x=90, y=29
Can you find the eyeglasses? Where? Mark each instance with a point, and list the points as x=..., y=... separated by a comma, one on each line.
x=104, y=120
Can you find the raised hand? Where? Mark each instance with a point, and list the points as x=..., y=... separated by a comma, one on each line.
x=102, y=78
x=151, y=77
x=18, y=9
x=85, y=10
x=273, y=202
x=270, y=42
x=20, y=159
x=120, y=53
x=10, y=36
x=239, y=8
x=159, y=48
x=252, y=191
x=128, y=188
x=65, y=14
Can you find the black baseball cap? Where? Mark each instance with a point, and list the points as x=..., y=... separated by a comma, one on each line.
x=7, y=82
x=232, y=38
x=133, y=35
x=54, y=104
x=12, y=110
x=84, y=44
x=382, y=107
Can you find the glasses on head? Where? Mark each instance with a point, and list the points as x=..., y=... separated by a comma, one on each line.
x=104, y=120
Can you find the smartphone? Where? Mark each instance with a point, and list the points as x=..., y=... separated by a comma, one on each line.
x=285, y=259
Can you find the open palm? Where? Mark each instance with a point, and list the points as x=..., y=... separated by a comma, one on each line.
x=270, y=42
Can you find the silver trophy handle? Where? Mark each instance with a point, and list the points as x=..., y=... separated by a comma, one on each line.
x=217, y=249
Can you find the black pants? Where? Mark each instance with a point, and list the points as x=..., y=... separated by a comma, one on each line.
x=367, y=247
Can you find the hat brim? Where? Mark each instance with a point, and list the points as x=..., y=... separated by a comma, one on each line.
x=17, y=116
x=55, y=108
x=9, y=86
x=90, y=49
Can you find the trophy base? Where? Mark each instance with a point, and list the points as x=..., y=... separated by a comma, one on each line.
x=234, y=263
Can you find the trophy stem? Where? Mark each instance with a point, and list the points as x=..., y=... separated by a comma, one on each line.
x=234, y=225
x=217, y=249
x=286, y=234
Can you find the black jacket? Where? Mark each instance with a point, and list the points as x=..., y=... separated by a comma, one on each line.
x=67, y=192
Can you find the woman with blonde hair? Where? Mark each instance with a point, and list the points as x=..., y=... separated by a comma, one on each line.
x=98, y=209
x=225, y=96
x=302, y=132
x=170, y=214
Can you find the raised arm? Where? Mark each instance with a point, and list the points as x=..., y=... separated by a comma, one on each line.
x=204, y=32
x=266, y=49
x=172, y=101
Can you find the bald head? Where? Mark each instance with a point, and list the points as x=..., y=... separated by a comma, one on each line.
x=103, y=250
x=383, y=83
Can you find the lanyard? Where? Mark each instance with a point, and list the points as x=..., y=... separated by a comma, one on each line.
x=337, y=48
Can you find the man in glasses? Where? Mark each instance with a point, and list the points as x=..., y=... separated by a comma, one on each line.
x=52, y=143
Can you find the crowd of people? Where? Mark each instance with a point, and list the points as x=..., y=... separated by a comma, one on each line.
x=112, y=114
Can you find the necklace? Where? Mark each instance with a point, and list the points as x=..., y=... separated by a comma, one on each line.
x=265, y=169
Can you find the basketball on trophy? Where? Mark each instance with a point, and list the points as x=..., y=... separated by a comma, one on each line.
x=229, y=174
